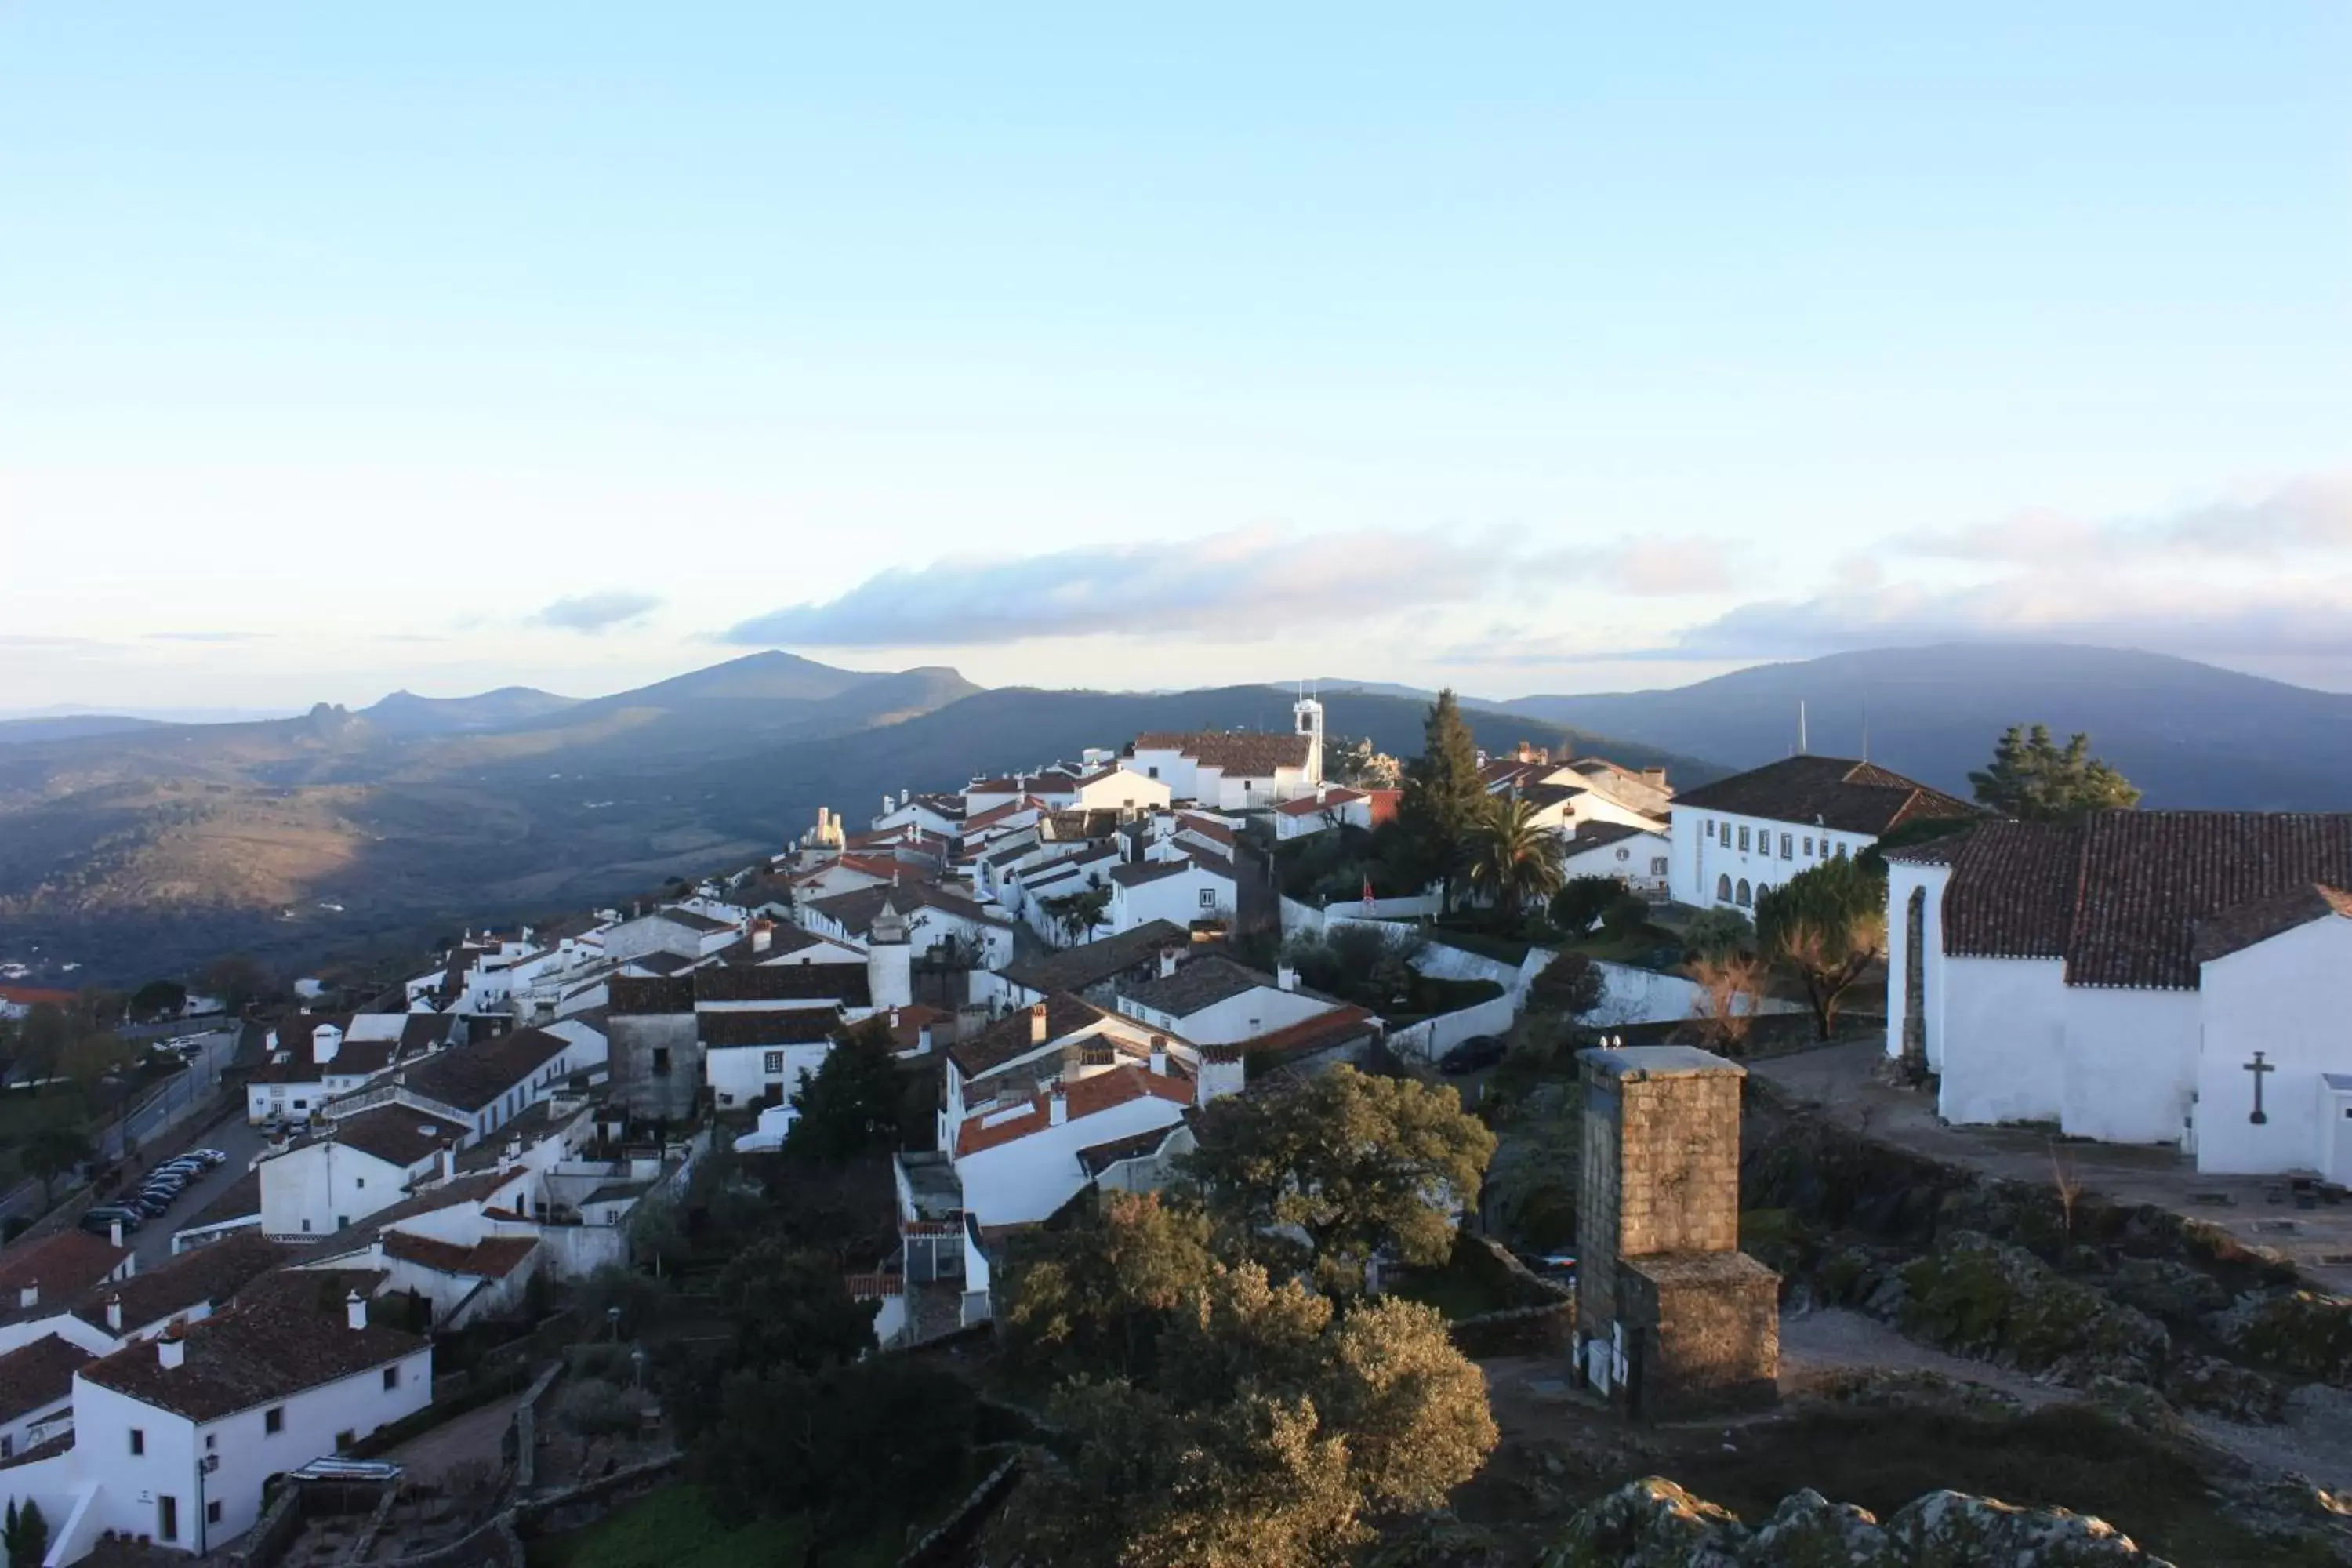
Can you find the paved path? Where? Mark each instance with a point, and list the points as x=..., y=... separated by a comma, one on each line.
x=477, y=1436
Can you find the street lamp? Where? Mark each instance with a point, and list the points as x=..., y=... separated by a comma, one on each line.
x=612, y=1317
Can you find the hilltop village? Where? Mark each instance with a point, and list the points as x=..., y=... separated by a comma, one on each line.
x=931, y=1081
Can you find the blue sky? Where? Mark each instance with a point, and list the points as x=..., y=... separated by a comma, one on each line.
x=344, y=348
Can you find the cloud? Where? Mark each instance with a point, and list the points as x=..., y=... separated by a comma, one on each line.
x=205, y=637
x=2307, y=515
x=2306, y=617
x=600, y=612
x=1254, y=583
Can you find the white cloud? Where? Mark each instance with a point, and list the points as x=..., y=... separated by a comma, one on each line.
x=600, y=612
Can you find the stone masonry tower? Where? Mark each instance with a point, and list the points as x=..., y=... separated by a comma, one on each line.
x=1672, y=1318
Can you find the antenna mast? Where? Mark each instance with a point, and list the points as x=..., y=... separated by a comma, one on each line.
x=1801, y=727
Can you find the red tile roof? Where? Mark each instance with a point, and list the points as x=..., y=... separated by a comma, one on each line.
x=1308, y=805
x=1237, y=754
x=1833, y=792
x=1088, y=1096
x=34, y=1377
x=492, y=1258
x=2233, y=931
x=62, y=1264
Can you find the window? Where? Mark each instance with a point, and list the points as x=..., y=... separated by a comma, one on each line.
x=345, y=1439
x=1809, y=845
x=1788, y=847
x=273, y=1420
x=8, y=1447
x=1709, y=831
x=212, y=1441
x=1840, y=849
x=1657, y=865
x=359, y=1181
x=138, y=1441
x=302, y=1105
x=212, y=1513
x=1741, y=897
x=661, y=1061
x=1153, y=770
x=1743, y=838
x=392, y=1377
x=306, y=1225
x=1208, y=897
x=342, y=1220
x=1723, y=890
x=773, y=1062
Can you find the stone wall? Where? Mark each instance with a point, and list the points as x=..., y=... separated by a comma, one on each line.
x=635, y=1038
x=1706, y=1334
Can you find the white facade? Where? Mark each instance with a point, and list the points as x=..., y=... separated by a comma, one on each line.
x=1025, y=1179
x=320, y=1188
x=1642, y=861
x=1723, y=861
x=757, y=1075
x=1195, y=893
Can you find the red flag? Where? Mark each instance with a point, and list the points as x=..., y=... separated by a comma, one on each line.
x=1367, y=891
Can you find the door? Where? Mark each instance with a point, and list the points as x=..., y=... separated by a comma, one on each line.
x=2338, y=1149
x=167, y=1519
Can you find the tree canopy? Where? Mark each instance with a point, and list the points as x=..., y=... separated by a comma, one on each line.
x=1097, y=1293
x=1511, y=857
x=850, y=1104
x=159, y=999
x=1568, y=988
x=2034, y=779
x=50, y=1153
x=1827, y=924
x=1443, y=796
x=1354, y=1163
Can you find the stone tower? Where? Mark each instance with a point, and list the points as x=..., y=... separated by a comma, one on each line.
x=1672, y=1318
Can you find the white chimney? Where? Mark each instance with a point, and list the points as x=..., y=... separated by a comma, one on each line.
x=886, y=803
x=171, y=1351
x=448, y=1161
x=325, y=1041
x=1036, y=1023
x=1058, y=1108
x=1286, y=978
x=904, y=797
x=1168, y=957
x=114, y=1232
x=1160, y=1056
x=894, y=1017
x=355, y=1311
x=923, y=1040
x=763, y=935
x=114, y=1314
x=29, y=1294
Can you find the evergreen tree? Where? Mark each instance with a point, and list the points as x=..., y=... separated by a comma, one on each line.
x=2034, y=779
x=1442, y=800
x=1827, y=924
x=850, y=1104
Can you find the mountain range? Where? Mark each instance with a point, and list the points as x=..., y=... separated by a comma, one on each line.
x=138, y=847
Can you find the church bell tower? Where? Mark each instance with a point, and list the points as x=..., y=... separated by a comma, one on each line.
x=1309, y=714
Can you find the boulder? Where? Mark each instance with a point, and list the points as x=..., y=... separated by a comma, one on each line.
x=1984, y=1298
x=1947, y=1529
x=1648, y=1524
x=2302, y=1332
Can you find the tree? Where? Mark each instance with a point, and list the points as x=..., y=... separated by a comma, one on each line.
x=791, y=1309
x=850, y=1104
x=1099, y=1291
x=1077, y=914
x=50, y=1153
x=160, y=999
x=1827, y=923
x=1582, y=900
x=236, y=979
x=94, y=1058
x=2033, y=779
x=1442, y=795
x=1725, y=1010
x=1358, y=1164
x=1568, y=987
x=41, y=1040
x=25, y=1535
x=1511, y=857
x=1717, y=933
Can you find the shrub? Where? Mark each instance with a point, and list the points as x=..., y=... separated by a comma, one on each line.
x=593, y=1407
x=1717, y=933
x=1584, y=901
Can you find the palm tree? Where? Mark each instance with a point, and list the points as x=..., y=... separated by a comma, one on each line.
x=1514, y=857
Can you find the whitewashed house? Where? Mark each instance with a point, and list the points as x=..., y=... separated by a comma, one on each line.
x=935, y=920
x=1333, y=805
x=315, y=1059
x=1210, y=1000
x=1180, y=891
x=759, y=1056
x=1733, y=839
x=1640, y=857
x=2141, y=977
x=358, y=1165
x=1236, y=771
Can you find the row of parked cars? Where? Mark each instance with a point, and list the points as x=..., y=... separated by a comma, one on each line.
x=155, y=1193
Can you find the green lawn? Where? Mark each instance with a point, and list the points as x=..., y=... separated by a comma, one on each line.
x=673, y=1528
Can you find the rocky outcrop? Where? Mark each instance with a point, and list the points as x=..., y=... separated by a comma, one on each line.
x=1654, y=1523
x=2299, y=1332
x=1986, y=1298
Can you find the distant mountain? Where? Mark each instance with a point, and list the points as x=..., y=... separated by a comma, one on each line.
x=2188, y=734
x=406, y=713
x=67, y=727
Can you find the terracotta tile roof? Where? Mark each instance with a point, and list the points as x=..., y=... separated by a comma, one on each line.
x=473, y=1077
x=2126, y=897
x=255, y=1354
x=38, y=1376
x=242, y=1199
x=1209, y=828
x=1094, y=1093
x=397, y=1134
x=2260, y=920
x=1139, y=873
x=665, y=965
x=480, y=1188
x=1343, y=1023
x=782, y=942
x=1834, y=792
x=766, y=1026
x=492, y=1258
x=1012, y=1036
x=844, y=984
x=62, y=1264
x=1202, y=982
x=693, y=921
x=1308, y=805
x=205, y=1275
x=907, y=1023
x=36, y=997
x=1600, y=835
x=631, y=996
x=1076, y=968
x=857, y=912
x=1238, y=754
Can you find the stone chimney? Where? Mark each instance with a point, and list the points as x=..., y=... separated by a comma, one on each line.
x=171, y=1351
x=113, y=1314
x=325, y=1041
x=1036, y=1023
x=1058, y=1108
x=355, y=1311
x=1168, y=959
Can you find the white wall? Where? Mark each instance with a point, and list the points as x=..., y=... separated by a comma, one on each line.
x=318, y=1189
x=1997, y=1032
x=1902, y=880
x=2130, y=1063
x=2288, y=998
x=1258, y=1011
x=1026, y=1180
x=1177, y=900
x=739, y=1075
x=1698, y=859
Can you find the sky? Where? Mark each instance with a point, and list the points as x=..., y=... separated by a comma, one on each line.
x=447, y=346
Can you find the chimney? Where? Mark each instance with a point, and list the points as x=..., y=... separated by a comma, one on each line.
x=114, y=1232
x=1160, y=1056
x=894, y=1017
x=1286, y=978
x=376, y=1253
x=171, y=1351
x=1058, y=1108
x=29, y=1294
x=114, y=1314
x=325, y=1041
x=448, y=1161
x=355, y=1311
x=763, y=935
x=886, y=803
x=1168, y=957
x=1036, y=1023
x=923, y=1041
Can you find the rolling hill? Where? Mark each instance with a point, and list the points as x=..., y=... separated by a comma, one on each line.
x=2189, y=735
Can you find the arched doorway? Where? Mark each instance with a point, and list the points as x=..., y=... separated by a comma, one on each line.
x=1741, y=897
x=1723, y=888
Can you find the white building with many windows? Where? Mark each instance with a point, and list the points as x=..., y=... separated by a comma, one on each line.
x=1733, y=839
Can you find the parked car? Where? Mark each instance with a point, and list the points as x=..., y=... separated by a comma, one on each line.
x=210, y=1156
x=152, y=1204
x=103, y=1218
x=191, y=1169
x=1479, y=1051
x=173, y=1185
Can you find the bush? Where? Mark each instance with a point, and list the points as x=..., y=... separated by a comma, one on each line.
x=1717, y=933
x=593, y=1407
x=1584, y=900
x=604, y=1359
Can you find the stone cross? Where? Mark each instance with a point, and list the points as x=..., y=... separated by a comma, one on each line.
x=2259, y=1067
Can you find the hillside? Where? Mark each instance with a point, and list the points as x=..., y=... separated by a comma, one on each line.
x=406, y=713
x=325, y=833
x=2189, y=735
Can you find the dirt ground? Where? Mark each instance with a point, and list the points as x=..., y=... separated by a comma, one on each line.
x=1837, y=1081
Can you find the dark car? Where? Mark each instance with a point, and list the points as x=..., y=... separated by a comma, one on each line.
x=103, y=1219
x=152, y=1204
x=1477, y=1052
